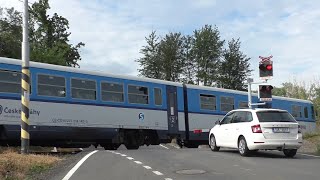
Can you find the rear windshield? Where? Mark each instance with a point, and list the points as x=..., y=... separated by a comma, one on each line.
x=275, y=116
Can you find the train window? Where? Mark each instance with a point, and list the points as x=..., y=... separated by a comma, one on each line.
x=207, y=102
x=227, y=103
x=243, y=105
x=312, y=112
x=306, y=114
x=10, y=81
x=138, y=94
x=112, y=92
x=49, y=85
x=296, y=111
x=157, y=96
x=83, y=89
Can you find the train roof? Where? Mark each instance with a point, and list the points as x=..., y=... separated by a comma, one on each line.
x=242, y=93
x=82, y=71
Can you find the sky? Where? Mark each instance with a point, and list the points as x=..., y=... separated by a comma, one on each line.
x=115, y=31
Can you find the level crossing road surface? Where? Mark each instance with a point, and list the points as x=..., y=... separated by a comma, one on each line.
x=167, y=162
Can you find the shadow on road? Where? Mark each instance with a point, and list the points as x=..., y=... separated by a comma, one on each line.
x=268, y=154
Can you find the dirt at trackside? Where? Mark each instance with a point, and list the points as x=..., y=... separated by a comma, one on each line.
x=14, y=165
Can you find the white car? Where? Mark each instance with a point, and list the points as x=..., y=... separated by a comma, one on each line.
x=254, y=129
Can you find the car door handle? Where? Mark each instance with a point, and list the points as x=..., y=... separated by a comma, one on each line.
x=237, y=128
x=225, y=129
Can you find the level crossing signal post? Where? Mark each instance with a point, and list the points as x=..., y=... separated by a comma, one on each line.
x=265, y=73
x=25, y=84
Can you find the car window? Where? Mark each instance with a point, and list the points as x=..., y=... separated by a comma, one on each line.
x=227, y=119
x=248, y=116
x=242, y=116
x=275, y=116
x=238, y=117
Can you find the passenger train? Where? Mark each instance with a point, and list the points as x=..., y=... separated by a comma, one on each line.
x=72, y=107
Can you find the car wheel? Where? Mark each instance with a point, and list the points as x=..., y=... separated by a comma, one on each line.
x=242, y=147
x=213, y=145
x=290, y=152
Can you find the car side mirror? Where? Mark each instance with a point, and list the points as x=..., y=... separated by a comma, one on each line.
x=218, y=122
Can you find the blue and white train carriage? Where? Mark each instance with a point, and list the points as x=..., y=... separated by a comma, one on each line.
x=77, y=108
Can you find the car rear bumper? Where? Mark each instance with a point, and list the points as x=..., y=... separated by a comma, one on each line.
x=280, y=145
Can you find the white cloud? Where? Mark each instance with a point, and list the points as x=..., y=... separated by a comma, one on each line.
x=114, y=31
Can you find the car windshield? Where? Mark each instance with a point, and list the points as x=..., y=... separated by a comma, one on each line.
x=275, y=116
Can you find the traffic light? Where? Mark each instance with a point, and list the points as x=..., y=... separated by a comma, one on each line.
x=265, y=92
x=266, y=69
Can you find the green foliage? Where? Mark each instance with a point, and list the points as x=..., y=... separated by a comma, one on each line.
x=171, y=55
x=195, y=59
x=10, y=33
x=279, y=91
x=207, y=49
x=301, y=91
x=38, y=168
x=48, y=36
x=310, y=135
x=189, y=69
x=150, y=62
x=164, y=58
x=234, y=68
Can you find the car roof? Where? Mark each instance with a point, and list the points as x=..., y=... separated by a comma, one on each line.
x=258, y=110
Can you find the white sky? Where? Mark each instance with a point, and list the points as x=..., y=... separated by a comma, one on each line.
x=115, y=31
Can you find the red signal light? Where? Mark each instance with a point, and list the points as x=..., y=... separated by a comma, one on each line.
x=269, y=67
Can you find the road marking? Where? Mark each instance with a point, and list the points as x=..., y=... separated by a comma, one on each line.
x=117, y=153
x=130, y=158
x=157, y=173
x=73, y=170
x=123, y=155
x=310, y=155
x=147, y=167
x=168, y=179
x=245, y=169
x=175, y=146
x=164, y=146
x=138, y=162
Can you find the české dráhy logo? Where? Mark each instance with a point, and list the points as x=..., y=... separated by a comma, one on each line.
x=141, y=116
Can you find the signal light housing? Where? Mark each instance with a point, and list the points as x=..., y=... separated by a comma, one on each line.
x=266, y=69
x=265, y=92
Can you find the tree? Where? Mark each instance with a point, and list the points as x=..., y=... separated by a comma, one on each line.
x=300, y=91
x=151, y=65
x=48, y=36
x=279, y=91
x=171, y=55
x=234, y=68
x=50, y=40
x=189, y=70
x=207, y=49
x=10, y=33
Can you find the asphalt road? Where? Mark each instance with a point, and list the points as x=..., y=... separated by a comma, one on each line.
x=167, y=162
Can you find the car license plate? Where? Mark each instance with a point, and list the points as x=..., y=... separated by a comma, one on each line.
x=281, y=130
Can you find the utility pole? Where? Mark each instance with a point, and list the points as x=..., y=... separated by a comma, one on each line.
x=25, y=83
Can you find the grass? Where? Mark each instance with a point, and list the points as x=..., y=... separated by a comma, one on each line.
x=15, y=166
x=311, y=135
x=311, y=141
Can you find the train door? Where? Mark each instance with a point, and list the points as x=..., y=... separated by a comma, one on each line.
x=172, y=110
